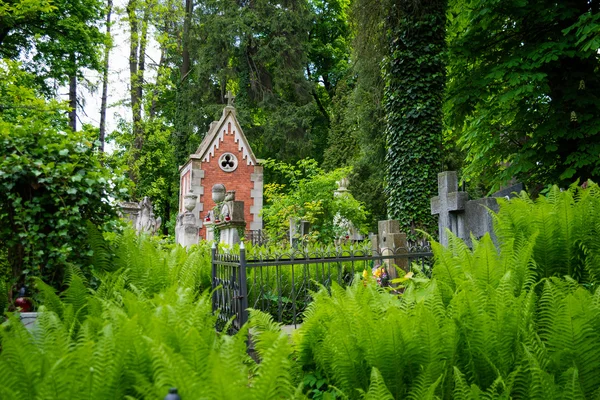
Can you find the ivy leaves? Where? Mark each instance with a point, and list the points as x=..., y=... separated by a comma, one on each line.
x=415, y=79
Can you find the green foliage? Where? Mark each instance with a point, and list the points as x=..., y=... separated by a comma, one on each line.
x=147, y=327
x=51, y=180
x=59, y=37
x=132, y=346
x=523, y=90
x=415, y=79
x=264, y=65
x=490, y=323
x=565, y=226
x=153, y=167
x=308, y=195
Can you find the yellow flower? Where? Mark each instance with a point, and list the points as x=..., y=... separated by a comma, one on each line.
x=365, y=274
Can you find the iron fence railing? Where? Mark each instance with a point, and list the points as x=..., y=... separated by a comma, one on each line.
x=281, y=283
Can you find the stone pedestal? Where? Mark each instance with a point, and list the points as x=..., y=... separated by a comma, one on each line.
x=232, y=222
x=186, y=232
x=188, y=226
x=210, y=231
x=392, y=242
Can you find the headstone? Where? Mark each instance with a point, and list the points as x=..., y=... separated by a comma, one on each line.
x=465, y=217
x=392, y=242
x=141, y=215
x=449, y=204
x=298, y=231
x=28, y=319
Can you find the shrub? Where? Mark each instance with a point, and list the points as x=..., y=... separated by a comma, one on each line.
x=51, y=180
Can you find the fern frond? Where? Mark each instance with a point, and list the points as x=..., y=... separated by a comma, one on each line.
x=377, y=388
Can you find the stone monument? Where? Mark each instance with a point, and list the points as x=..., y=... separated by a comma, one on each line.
x=223, y=156
x=228, y=216
x=141, y=215
x=343, y=225
x=464, y=217
x=186, y=230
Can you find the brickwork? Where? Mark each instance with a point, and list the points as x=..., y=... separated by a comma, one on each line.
x=238, y=180
x=202, y=171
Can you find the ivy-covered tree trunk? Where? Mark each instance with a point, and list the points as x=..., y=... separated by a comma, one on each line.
x=415, y=78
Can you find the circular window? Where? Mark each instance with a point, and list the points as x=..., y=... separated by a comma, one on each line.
x=228, y=162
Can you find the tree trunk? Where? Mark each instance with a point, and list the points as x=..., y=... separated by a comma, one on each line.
x=185, y=66
x=159, y=75
x=135, y=83
x=105, y=80
x=73, y=97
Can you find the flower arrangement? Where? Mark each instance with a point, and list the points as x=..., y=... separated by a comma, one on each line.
x=381, y=275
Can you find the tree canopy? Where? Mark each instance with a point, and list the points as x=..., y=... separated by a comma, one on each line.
x=523, y=90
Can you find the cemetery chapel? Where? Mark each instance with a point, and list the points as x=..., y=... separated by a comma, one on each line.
x=225, y=157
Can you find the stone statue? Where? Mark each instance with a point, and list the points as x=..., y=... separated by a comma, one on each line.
x=141, y=216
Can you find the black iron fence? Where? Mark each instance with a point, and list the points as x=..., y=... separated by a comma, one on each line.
x=281, y=283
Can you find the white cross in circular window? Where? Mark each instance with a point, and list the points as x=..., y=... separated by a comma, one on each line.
x=228, y=162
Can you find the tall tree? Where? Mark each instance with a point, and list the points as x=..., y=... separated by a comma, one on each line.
x=524, y=90
x=138, y=36
x=415, y=80
x=107, y=48
x=57, y=39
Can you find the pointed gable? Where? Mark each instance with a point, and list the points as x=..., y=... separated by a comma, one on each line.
x=227, y=125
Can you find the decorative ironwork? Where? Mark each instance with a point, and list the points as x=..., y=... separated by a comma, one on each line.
x=281, y=282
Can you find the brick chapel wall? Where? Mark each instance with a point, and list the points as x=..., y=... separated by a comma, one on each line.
x=238, y=180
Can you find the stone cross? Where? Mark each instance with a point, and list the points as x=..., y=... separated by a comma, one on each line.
x=230, y=98
x=449, y=204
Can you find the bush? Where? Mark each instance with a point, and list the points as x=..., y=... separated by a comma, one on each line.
x=308, y=194
x=51, y=180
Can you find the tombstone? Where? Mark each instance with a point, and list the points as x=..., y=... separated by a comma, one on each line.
x=391, y=242
x=223, y=156
x=186, y=229
x=141, y=215
x=229, y=219
x=464, y=217
x=449, y=204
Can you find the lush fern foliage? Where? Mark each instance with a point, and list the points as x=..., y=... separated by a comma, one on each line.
x=565, y=226
x=144, y=329
x=490, y=323
x=518, y=321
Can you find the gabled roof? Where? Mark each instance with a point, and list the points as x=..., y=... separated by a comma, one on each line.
x=216, y=135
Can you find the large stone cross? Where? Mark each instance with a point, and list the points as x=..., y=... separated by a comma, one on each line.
x=449, y=204
x=230, y=98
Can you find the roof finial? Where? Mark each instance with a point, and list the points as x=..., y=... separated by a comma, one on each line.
x=230, y=97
